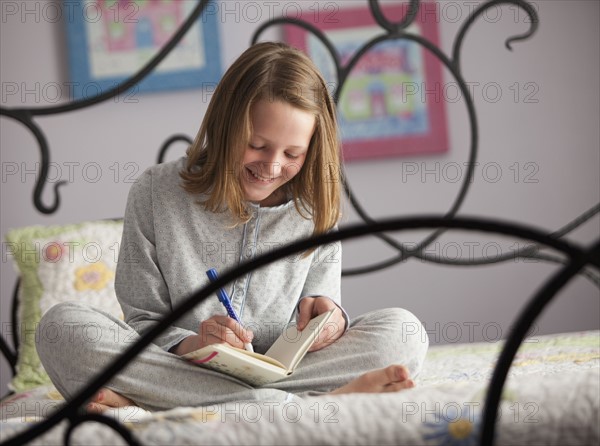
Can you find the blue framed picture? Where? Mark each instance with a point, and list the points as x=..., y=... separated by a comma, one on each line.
x=110, y=40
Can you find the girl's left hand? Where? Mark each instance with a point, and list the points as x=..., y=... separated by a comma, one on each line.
x=313, y=306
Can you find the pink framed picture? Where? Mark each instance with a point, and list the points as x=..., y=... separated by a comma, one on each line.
x=392, y=102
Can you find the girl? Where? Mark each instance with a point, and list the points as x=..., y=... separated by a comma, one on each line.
x=257, y=176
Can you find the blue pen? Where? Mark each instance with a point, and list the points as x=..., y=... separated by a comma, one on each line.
x=224, y=299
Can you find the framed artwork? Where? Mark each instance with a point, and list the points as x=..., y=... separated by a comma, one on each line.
x=392, y=102
x=110, y=40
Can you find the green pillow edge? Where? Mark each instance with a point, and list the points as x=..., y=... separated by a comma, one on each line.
x=30, y=372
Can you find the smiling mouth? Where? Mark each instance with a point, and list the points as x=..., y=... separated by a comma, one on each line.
x=260, y=178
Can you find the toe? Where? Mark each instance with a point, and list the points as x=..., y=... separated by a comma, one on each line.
x=114, y=399
x=398, y=386
x=96, y=408
x=396, y=373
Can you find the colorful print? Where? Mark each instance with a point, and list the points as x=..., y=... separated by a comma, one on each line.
x=92, y=277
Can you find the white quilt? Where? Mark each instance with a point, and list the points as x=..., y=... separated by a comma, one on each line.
x=552, y=398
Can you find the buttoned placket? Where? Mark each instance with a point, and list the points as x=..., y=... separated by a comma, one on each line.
x=248, y=252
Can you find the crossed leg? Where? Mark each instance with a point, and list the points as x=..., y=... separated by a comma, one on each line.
x=393, y=378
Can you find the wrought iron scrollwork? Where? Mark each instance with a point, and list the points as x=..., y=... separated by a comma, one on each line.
x=123, y=431
x=168, y=143
x=576, y=258
x=398, y=31
x=25, y=115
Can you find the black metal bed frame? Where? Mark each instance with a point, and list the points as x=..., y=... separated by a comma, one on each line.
x=575, y=259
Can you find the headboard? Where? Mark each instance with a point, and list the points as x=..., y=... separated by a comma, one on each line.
x=574, y=259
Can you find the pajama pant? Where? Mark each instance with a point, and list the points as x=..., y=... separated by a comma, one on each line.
x=90, y=339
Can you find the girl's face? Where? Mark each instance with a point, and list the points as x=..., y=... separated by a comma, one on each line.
x=276, y=151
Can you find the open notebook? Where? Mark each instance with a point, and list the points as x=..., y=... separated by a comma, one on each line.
x=277, y=363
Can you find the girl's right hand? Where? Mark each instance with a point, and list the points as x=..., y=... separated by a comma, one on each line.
x=223, y=330
x=215, y=330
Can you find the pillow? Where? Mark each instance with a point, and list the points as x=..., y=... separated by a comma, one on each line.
x=58, y=264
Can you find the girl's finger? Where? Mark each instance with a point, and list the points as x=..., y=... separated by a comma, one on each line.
x=243, y=334
x=305, y=312
x=213, y=332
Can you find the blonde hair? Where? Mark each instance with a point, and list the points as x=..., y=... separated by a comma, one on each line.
x=269, y=71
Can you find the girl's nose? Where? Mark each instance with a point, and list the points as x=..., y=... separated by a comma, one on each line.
x=270, y=169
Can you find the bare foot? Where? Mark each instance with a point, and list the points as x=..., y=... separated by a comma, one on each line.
x=107, y=399
x=389, y=379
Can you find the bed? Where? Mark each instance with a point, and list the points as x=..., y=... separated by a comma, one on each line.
x=446, y=408
x=527, y=389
